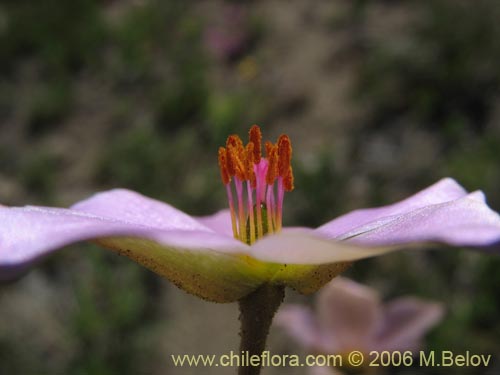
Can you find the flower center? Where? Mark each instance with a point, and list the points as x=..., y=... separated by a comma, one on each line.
x=259, y=183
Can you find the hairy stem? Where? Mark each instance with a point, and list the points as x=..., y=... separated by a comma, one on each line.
x=256, y=315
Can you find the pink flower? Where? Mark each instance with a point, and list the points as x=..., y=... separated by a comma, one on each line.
x=350, y=316
x=226, y=256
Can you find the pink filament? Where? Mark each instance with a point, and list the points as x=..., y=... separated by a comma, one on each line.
x=248, y=212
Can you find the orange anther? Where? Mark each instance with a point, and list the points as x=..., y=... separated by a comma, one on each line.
x=288, y=180
x=234, y=160
x=230, y=164
x=269, y=146
x=255, y=137
x=249, y=162
x=284, y=154
x=272, y=168
x=226, y=178
x=236, y=142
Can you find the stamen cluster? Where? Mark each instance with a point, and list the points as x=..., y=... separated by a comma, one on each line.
x=265, y=180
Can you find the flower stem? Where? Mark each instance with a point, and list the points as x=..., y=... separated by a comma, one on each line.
x=256, y=315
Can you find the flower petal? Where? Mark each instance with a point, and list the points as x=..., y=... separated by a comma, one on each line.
x=306, y=262
x=350, y=314
x=219, y=222
x=406, y=320
x=309, y=248
x=201, y=262
x=467, y=221
x=301, y=324
x=129, y=206
x=444, y=190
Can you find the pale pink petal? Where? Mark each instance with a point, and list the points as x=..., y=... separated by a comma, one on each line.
x=129, y=206
x=28, y=232
x=203, y=262
x=301, y=324
x=219, y=222
x=444, y=190
x=306, y=248
x=406, y=321
x=349, y=313
x=467, y=221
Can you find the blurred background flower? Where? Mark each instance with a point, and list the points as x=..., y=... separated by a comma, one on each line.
x=350, y=316
x=381, y=98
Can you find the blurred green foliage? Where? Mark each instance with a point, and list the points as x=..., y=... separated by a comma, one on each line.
x=445, y=72
x=146, y=160
x=63, y=36
x=325, y=184
x=116, y=313
x=48, y=107
x=442, y=73
x=38, y=172
x=477, y=166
